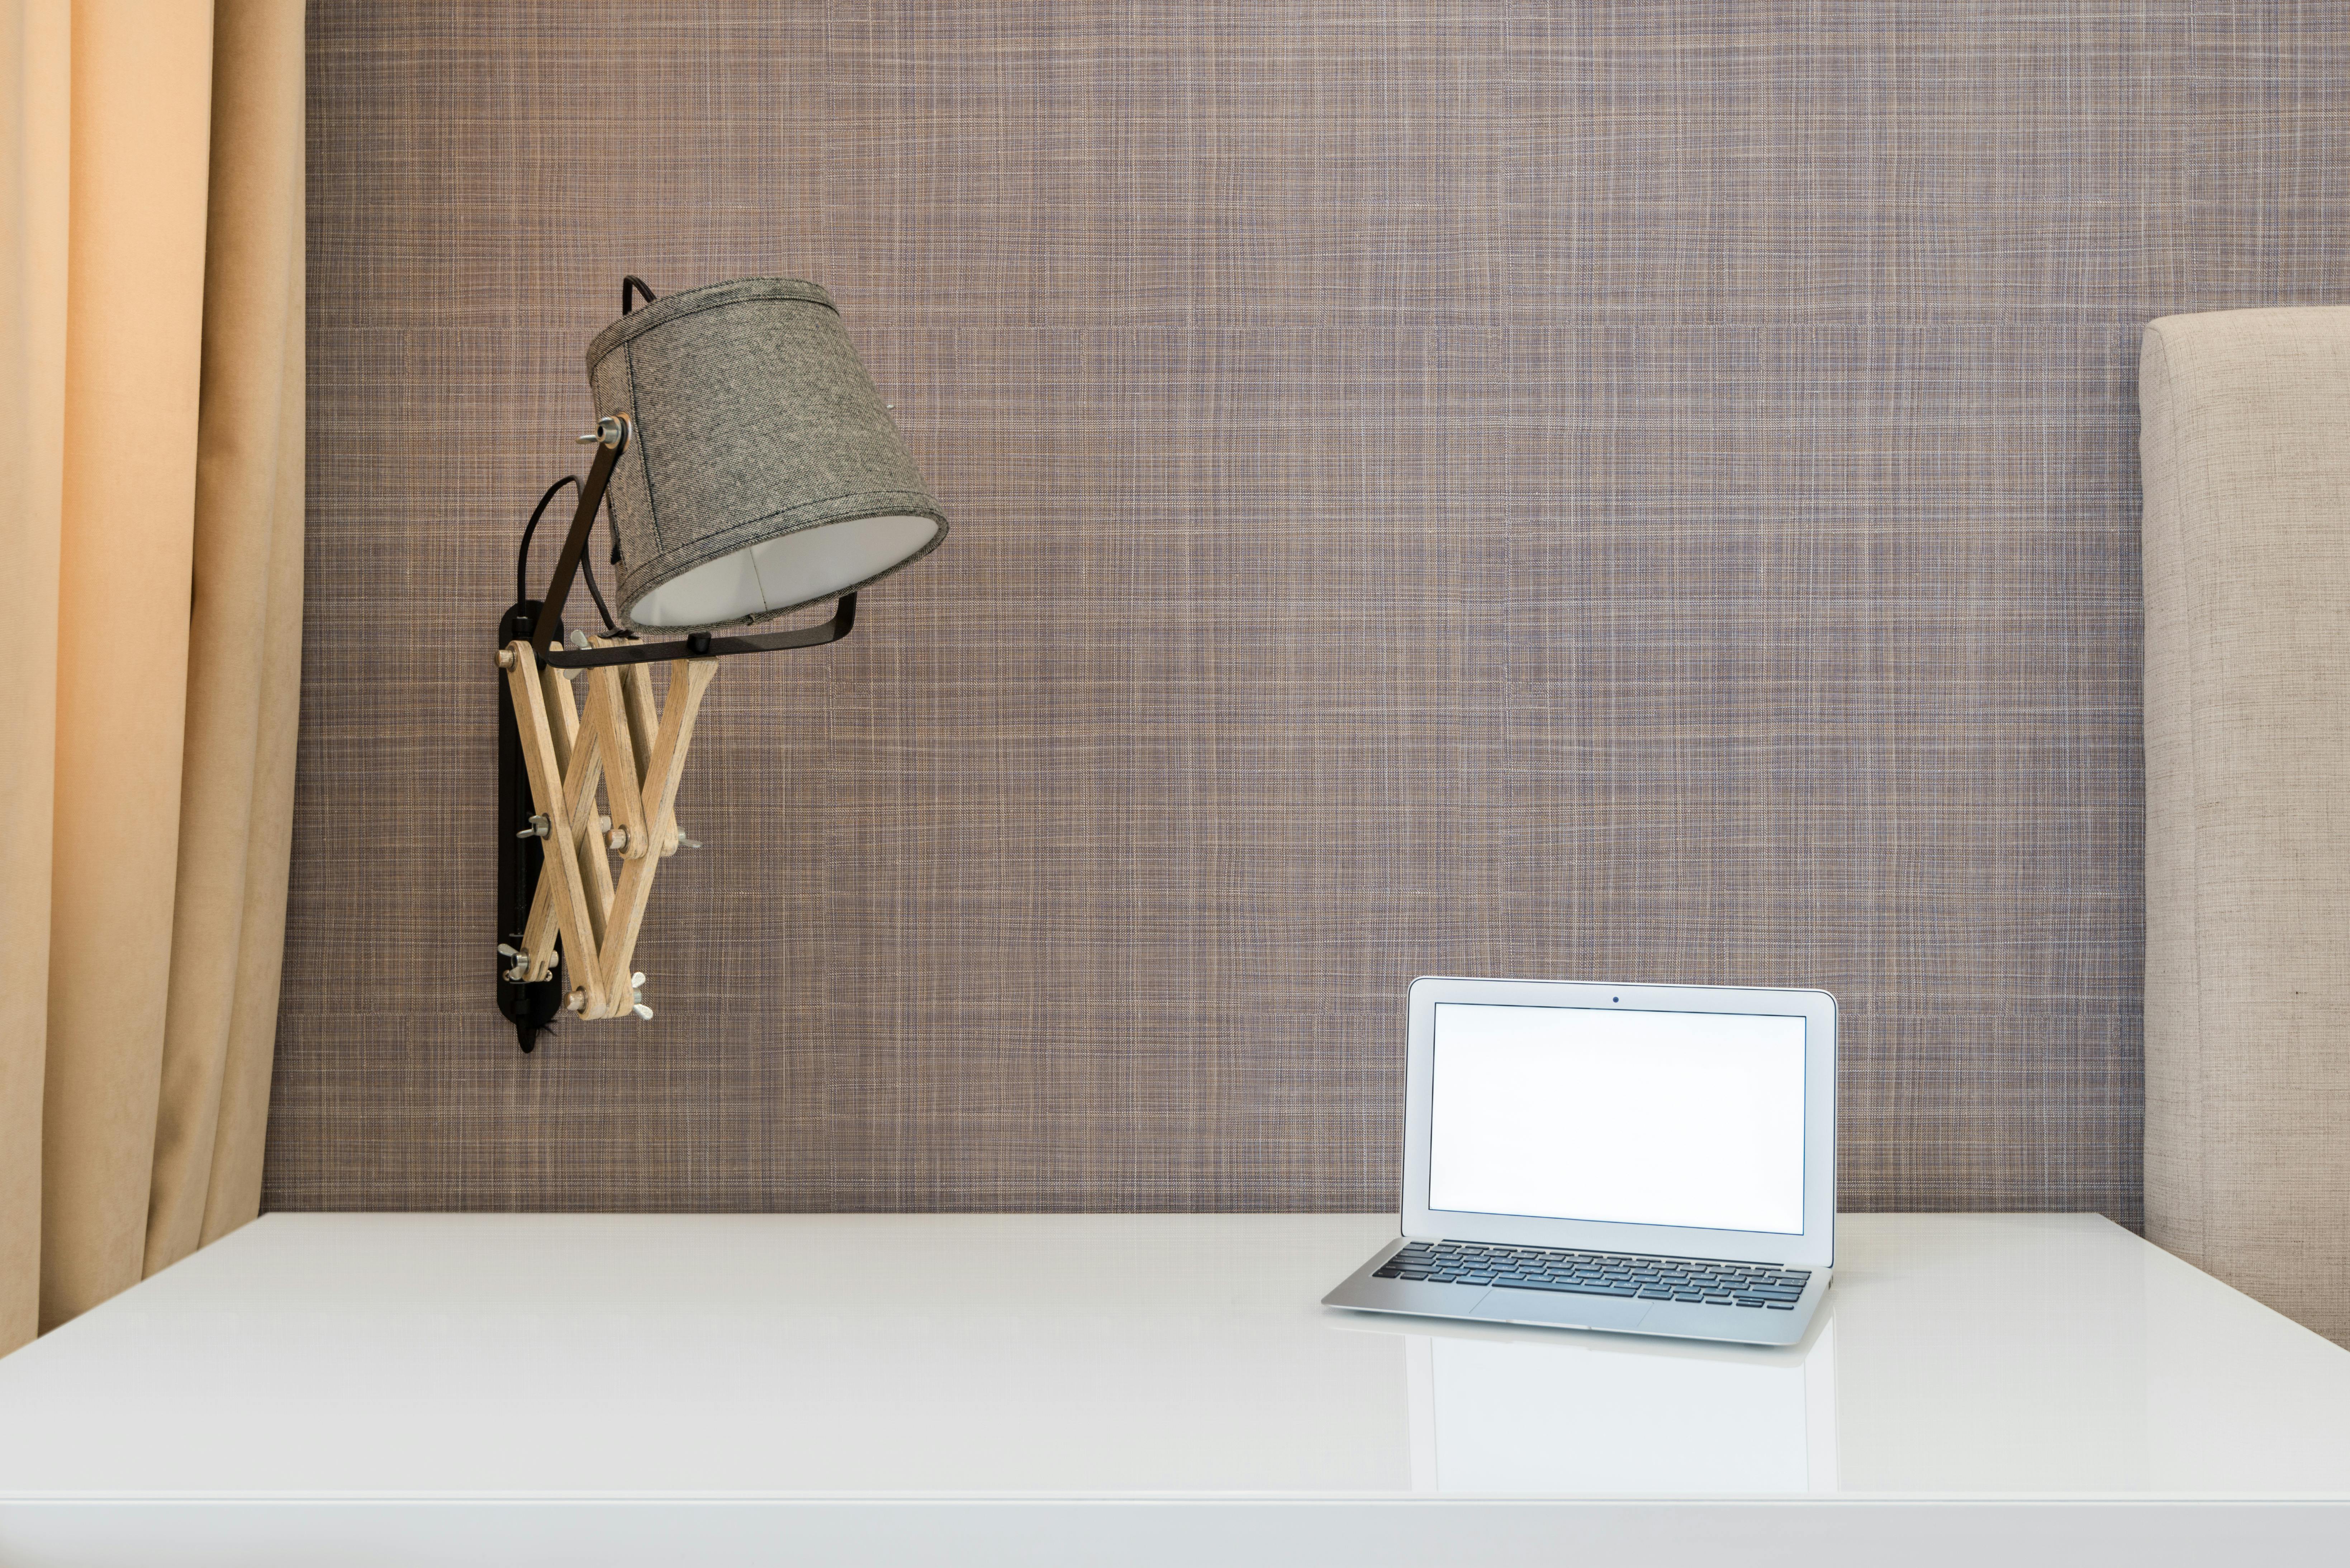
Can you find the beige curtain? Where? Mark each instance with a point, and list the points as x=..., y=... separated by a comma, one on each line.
x=150, y=467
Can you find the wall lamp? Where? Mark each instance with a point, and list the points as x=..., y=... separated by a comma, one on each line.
x=746, y=467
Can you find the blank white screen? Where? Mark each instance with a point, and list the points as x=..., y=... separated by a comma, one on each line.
x=1639, y=1118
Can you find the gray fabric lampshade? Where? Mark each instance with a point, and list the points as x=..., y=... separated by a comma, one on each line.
x=764, y=472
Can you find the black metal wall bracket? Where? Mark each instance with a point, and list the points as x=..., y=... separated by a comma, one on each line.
x=703, y=645
x=529, y=1005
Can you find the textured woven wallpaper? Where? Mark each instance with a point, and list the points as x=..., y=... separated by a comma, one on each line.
x=1632, y=490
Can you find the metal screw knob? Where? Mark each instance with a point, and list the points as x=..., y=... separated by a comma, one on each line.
x=539, y=827
x=577, y=1002
x=641, y=1011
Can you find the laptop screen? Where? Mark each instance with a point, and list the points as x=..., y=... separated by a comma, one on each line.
x=1691, y=1120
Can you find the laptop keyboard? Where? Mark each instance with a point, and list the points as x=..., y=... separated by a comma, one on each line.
x=1761, y=1285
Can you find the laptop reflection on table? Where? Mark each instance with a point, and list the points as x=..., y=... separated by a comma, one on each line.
x=1540, y=1413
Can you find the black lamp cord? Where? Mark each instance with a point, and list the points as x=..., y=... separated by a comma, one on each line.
x=630, y=286
x=586, y=566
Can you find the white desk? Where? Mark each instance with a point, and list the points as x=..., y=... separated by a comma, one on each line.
x=1146, y=1389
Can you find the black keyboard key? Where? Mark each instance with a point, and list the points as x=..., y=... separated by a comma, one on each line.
x=1559, y=1287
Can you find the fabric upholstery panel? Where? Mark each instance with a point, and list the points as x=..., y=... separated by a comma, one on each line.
x=2248, y=911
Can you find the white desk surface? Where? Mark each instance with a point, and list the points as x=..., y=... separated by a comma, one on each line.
x=357, y=1389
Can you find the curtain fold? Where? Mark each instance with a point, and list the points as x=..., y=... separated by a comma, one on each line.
x=173, y=618
x=33, y=179
x=236, y=797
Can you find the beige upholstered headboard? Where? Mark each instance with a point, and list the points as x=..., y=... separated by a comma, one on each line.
x=2246, y=441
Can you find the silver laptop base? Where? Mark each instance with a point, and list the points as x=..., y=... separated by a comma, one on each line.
x=1362, y=1292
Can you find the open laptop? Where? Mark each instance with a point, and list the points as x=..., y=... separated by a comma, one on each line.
x=1643, y=1158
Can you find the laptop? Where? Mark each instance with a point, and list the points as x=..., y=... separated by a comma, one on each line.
x=1638, y=1158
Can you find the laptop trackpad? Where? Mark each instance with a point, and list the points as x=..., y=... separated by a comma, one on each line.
x=1510, y=1305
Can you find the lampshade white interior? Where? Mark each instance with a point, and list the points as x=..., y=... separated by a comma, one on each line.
x=760, y=579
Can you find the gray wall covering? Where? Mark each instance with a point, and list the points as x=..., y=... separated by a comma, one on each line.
x=1639, y=489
